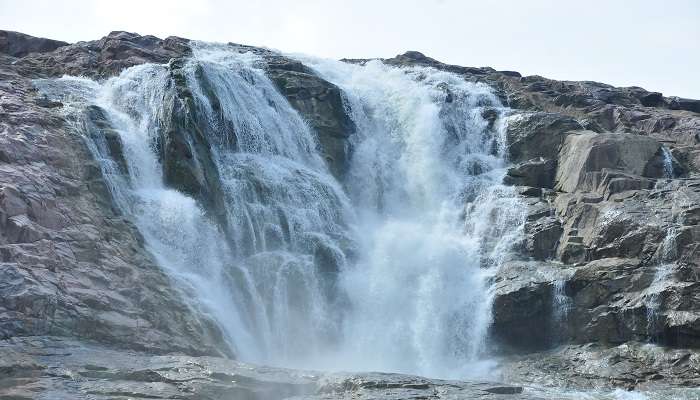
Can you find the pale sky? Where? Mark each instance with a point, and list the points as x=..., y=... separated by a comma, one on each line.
x=654, y=44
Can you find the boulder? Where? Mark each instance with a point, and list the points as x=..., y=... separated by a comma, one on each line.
x=586, y=154
x=535, y=173
x=537, y=135
x=523, y=306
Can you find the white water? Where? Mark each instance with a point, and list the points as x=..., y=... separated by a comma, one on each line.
x=668, y=162
x=664, y=269
x=422, y=209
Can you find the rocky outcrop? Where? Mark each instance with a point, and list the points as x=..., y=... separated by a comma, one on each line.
x=537, y=135
x=15, y=44
x=102, y=58
x=613, y=219
x=322, y=106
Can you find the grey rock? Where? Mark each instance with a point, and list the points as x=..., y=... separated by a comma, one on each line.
x=542, y=237
x=535, y=173
x=586, y=154
x=322, y=106
x=103, y=58
x=669, y=373
x=537, y=135
x=17, y=44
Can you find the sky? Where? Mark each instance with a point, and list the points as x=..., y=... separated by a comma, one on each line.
x=652, y=44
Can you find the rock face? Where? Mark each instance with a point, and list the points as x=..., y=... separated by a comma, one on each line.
x=72, y=265
x=586, y=156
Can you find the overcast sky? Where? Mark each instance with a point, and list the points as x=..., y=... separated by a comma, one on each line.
x=654, y=44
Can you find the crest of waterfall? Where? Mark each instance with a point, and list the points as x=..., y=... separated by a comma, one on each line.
x=435, y=221
x=421, y=207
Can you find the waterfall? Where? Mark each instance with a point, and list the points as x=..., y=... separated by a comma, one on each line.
x=387, y=270
x=664, y=269
x=668, y=162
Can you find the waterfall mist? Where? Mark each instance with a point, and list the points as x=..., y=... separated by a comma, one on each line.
x=386, y=270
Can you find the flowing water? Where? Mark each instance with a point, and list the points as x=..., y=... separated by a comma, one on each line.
x=668, y=162
x=435, y=221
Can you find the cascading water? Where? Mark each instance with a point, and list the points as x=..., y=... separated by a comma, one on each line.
x=422, y=208
x=668, y=162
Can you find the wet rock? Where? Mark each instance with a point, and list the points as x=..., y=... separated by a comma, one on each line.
x=184, y=149
x=322, y=106
x=638, y=366
x=536, y=173
x=522, y=305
